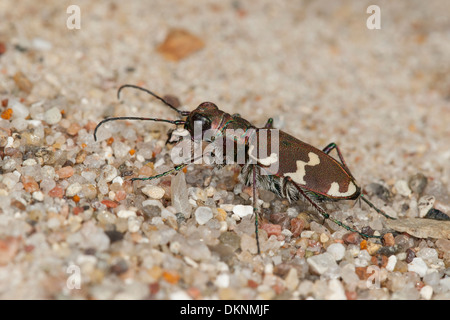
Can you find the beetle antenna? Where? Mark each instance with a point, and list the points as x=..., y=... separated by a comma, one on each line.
x=175, y=122
x=180, y=112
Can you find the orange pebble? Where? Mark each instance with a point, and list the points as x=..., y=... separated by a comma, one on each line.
x=110, y=203
x=73, y=128
x=77, y=210
x=90, y=126
x=132, y=152
x=29, y=184
x=120, y=195
x=56, y=192
x=252, y=284
x=110, y=141
x=271, y=229
x=65, y=172
x=363, y=245
x=194, y=292
x=171, y=276
x=7, y=114
x=76, y=198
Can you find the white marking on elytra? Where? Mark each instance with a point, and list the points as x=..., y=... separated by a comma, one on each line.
x=273, y=158
x=334, y=190
x=299, y=175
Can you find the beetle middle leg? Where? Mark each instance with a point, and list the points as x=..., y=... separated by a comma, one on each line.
x=255, y=208
x=157, y=176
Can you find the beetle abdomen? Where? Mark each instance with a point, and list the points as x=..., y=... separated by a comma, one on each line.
x=308, y=167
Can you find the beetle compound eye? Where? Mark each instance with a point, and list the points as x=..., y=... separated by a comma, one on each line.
x=202, y=121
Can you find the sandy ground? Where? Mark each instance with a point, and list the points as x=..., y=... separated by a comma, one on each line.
x=66, y=219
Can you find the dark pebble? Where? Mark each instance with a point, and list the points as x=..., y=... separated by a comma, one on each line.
x=120, y=267
x=282, y=269
x=90, y=251
x=180, y=217
x=230, y=239
x=403, y=242
x=126, y=173
x=388, y=251
x=410, y=255
x=68, y=163
x=437, y=215
x=378, y=190
x=266, y=196
x=30, y=154
x=297, y=226
x=367, y=230
x=405, y=207
x=151, y=211
x=417, y=183
x=114, y=235
x=20, y=48
x=351, y=238
x=280, y=218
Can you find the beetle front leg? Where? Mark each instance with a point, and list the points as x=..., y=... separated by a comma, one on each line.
x=169, y=137
x=255, y=209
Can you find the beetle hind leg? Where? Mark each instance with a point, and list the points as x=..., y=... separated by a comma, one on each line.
x=269, y=124
x=332, y=146
x=327, y=216
x=363, y=197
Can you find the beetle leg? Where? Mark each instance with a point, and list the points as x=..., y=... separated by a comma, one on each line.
x=171, y=171
x=169, y=137
x=269, y=124
x=255, y=209
x=363, y=196
x=326, y=215
x=332, y=146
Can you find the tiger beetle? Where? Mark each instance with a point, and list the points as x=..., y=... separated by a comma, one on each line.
x=294, y=170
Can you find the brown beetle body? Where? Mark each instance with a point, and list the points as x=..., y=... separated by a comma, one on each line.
x=305, y=165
